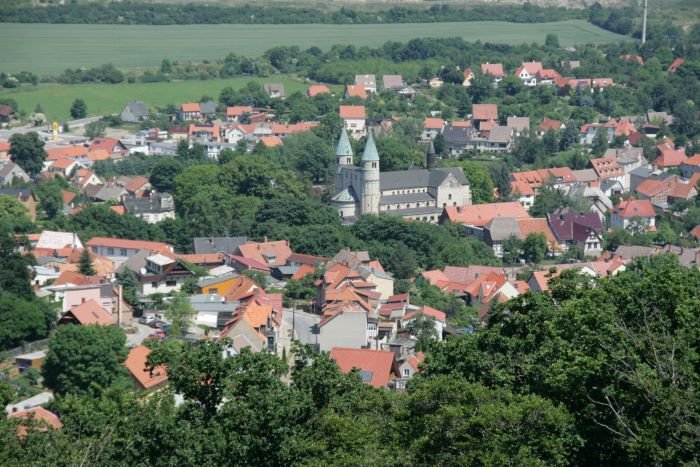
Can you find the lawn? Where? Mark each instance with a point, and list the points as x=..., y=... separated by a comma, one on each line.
x=51, y=48
x=101, y=99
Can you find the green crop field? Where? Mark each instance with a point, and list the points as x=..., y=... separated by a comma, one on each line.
x=102, y=99
x=51, y=48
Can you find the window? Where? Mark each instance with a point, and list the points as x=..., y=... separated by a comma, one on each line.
x=171, y=283
x=154, y=285
x=213, y=291
x=110, y=251
x=406, y=372
x=449, y=196
x=123, y=252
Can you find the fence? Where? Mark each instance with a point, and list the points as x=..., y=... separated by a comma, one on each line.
x=26, y=348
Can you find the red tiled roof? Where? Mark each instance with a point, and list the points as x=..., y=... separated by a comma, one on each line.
x=356, y=90
x=352, y=112
x=485, y=111
x=40, y=415
x=68, y=196
x=696, y=232
x=64, y=152
x=303, y=271
x=201, y=258
x=123, y=243
x=137, y=366
x=536, y=225
x=62, y=164
x=107, y=144
x=602, y=82
x=634, y=208
x=670, y=158
x=316, y=89
x=607, y=167
x=271, y=141
x=90, y=312
x=674, y=66
x=136, y=184
x=415, y=360
x=254, y=250
x=238, y=110
x=190, y=107
x=493, y=69
x=379, y=364
x=433, y=123
x=427, y=311
x=695, y=160
x=481, y=214
x=549, y=124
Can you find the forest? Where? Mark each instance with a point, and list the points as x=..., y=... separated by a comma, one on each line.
x=600, y=371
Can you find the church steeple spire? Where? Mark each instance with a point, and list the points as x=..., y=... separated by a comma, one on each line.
x=343, y=152
x=370, y=154
x=431, y=156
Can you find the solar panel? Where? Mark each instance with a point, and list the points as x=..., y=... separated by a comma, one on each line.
x=366, y=376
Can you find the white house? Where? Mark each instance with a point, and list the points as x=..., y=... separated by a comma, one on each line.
x=354, y=120
x=344, y=328
x=634, y=215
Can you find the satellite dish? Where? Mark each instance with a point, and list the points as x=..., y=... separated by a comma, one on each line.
x=143, y=271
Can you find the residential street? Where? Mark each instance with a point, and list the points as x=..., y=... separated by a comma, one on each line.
x=304, y=325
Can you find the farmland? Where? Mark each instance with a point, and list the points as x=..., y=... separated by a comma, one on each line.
x=102, y=99
x=51, y=48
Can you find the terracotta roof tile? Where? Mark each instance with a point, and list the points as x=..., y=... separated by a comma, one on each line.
x=377, y=365
x=137, y=366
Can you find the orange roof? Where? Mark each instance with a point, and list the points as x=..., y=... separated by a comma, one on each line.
x=136, y=184
x=121, y=210
x=602, y=82
x=634, y=208
x=695, y=160
x=356, y=90
x=63, y=152
x=238, y=110
x=549, y=124
x=607, y=167
x=536, y=178
x=415, y=360
x=536, y=225
x=625, y=128
x=202, y=258
x=433, y=123
x=696, y=232
x=428, y=311
x=543, y=278
x=468, y=72
x=137, y=366
x=256, y=314
x=487, y=125
x=521, y=188
x=674, y=66
x=40, y=415
x=257, y=251
x=63, y=164
x=90, y=312
x=281, y=129
x=107, y=144
x=75, y=278
x=4, y=145
x=241, y=287
x=316, y=89
x=481, y=214
x=521, y=286
x=109, y=242
x=461, y=124
x=632, y=59
x=271, y=141
x=652, y=187
x=98, y=155
x=485, y=111
x=352, y=112
x=493, y=69
x=303, y=271
x=671, y=158
x=435, y=276
x=548, y=74
x=378, y=364
x=68, y=196
x=190, y=107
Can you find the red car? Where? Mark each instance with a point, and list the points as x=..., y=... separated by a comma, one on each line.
x=156, y=335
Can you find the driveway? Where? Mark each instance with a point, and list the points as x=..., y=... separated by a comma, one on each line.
x=142, y=331
x=305, y=325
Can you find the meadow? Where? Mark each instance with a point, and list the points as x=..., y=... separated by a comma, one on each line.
x=51, y=48
x=101, y=99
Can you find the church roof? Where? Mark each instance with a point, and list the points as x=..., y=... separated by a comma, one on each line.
x=344, y=147
x=420, y=178
x=345, y=196
x=370, y=153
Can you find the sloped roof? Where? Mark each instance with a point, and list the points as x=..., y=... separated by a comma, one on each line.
x=316, y=89
x=137, y=366
x=356, y=90
x=493, y=69
x=190, y=107
x=549, y=124
x=536, y=225
x=217, y=244
x=40, y=415
x=90, y=312
x=634, y=208
x=131, y=244
x=418, y=178
x=238, y=110
x=344, y=148
x=257, y=251
x=485, y=111
x=432, y=123
x=352, y=112
x=370, y=153
x=481, y=214
x=376, y=365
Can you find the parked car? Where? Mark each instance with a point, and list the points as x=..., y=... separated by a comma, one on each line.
x=146, y=319
x=156, y=324
x=156, y=335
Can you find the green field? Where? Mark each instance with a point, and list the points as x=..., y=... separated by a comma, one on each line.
x=102, y=99
x=51, y=48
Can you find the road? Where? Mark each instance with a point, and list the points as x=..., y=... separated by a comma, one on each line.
x=142, y=331
x=305, y=325
x=45, y=130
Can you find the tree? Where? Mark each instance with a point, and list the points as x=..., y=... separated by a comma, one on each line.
x=439, y=144
x=166, y=67
x=12, y=212
x=79, y=109
x=85, y=359
x=129, y=283
x=95, y=129
x=85, y=266
x=552, y=40
x=600, y=142
x=163, y=175
x=534, y=247
x=512, y=247
x=570, y=136
x=179, y=313
x=50, y=198
x=423, y=328
x=23, y=319
x=27, y=151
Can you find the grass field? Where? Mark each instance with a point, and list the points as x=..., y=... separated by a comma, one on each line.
x=51, y=48
x=101, y=99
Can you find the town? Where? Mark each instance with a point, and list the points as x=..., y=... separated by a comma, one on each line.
x=359, y=247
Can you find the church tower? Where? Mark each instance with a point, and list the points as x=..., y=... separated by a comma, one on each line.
x=343, y=158
x=431, y=156
x=369, y=198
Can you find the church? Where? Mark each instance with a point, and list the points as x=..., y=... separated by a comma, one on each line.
x=415, y=194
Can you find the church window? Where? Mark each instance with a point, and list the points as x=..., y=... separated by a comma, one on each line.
x=449, y=196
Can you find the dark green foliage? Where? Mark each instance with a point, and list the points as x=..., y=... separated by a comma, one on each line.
x=23, y=319
x=27, y=151
x=78, y=109
x=85, y=359
x=85, y=265
x=162, y=175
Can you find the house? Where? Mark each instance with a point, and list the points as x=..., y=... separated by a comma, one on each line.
x=202, y=245
x=630, y=159
x=101, y=292
x=354, y=119
x=316, y=89
x=234, y=114
x=213, y=311
x=25, y=196
x=64, y=167
x=10, y=172
x=153, y=209
x=162, y=274
x=6, y=113
x=274, y=90
x=476, y=216
x=527, y=72
x=218, y=285
x=500, y=229
x=519, y=125
x=118, y=249
x=637, y=215
x=204, y=133
x=88, y=312
x=410, y=366
x=608, y=170
x=4, y=149
x=43, y=418
x=56, y=240
x=144, y=377
x=670, y=158
x=457, y=138
x=376, y=367
x=675, y=65
x=435, y=82
x=690, y=166
x=495, y=70
x=438, y=317
x=526, y=184
x=189, y=111
x=30, y=360
x=112, y=146
x=134, y=112
x=343, y=325
x=483, y=113
x=584, y=230
x=208, y=109
x=355, y=90
x=468, y=77
x=266, y=253
x=178, y=132
x=367, y=82
x=431, y=128
x=549, y=125
x=392, y=83
x=600, y=83
x=547, y=76
x=256, y=324
x=657, y=190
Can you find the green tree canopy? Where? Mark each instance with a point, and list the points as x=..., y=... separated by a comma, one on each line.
x=27, y=151
x=79, y=109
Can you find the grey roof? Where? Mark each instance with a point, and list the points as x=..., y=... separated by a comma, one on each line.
x=135, y=262
x=420, y=178
x=366, y=80
x=457, y=134
x=608, y=183
x=431, y=149
x=154, y=204
x=518, y=123
x=406, y=198
x=502, y=228
x=287, y=270
x=218, y=244
x=208, y=107
x=23, y=193
x=585, y=175
x=500, y=134
x=346, y=196
x=137, y=108
x=110, y=192
x=423, y=211
x=344, y=147
x=274, y=87
x=643, y=172
x=212, y=302
x=215, y=280
x=631, y=252
x=392, y=82
x=370, y=153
